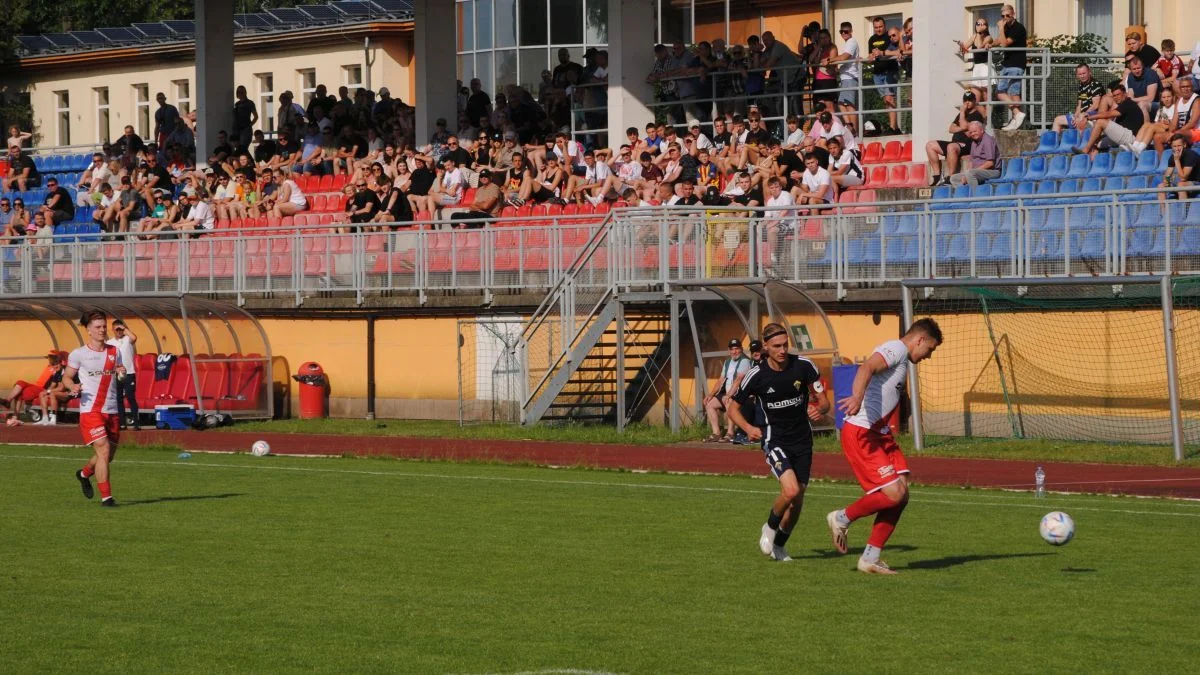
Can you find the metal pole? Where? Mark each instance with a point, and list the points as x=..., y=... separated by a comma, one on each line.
x=674, y=365
x=620, y=365
x=914, y=387
x=1172, y=368
x=371, y=371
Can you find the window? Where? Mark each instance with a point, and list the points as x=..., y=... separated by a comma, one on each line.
x=989, y=13
x=62, y=108
x=892, y=21
x=532, y=17
x=352, y=76
x=102, y=115
x=142, y=106
x=266, y=101
x=308, y=85
x=183, y=96
x=674, y=23
x=1096, y=17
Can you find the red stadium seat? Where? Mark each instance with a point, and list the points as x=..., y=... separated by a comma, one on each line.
x=325, y=184
x=898, y=176
x=891, y=152
x=319, y=203
x=879, y=175
x=873, y=152
x=918, y=175
x=906, y=151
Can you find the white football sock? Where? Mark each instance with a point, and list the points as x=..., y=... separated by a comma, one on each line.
x=870, y=554
x=1138, y=146
x=842, y=518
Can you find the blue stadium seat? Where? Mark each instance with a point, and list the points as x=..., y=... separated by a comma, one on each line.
x=1124, y=164
x=1070, y=139
x=1056, y=218
x=1163, y=162
x=1025, y=189
x=1101, y=165
x=941, y=193
x=1085, y=217
x=1035, y=168
x=1047, y=144
x=961, y=192
x=1057, y=168
x=1193, y=213
x=909, y=223
x=985, y=190
x=82, y=161
x=1013, y=170
x=1147, y=162
x=946, y=222
x=996, y=221
x=1176, y=214
x=1189, y=243
x=1066, y=192
x=954, y=248
x=1146, y=215
x=1114, y=183
x=1090, y=245
x=1139, y=241
x=1137, y=183
x=1037, y=218
x=1079, y=166
x=1047, y=245
x=1002, y=190
x=1000, y=249
x=1046, y=188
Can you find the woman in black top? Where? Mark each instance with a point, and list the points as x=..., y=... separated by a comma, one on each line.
x=977, y=45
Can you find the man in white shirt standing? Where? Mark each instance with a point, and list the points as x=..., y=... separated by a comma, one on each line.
x=849, y=74
x=124, y=340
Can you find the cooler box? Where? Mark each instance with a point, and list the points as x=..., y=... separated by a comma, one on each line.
x=174, y=417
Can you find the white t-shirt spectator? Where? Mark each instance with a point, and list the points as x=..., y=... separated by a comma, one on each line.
x=836, y=128
x=847, y=159
x=783, y=217
x=852, y=69
x=574, y=153
x=703, y=143
x=629, y=172
x=452, y=182
x=126, y=349
x=815, y=181
x=107, y=201
x=597, y=173
x=204, y=216
x=794, y=139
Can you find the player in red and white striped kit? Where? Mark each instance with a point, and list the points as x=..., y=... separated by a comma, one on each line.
x=870, y=445
x=98, y=365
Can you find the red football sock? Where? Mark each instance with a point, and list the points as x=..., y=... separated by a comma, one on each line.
x=88, y=471
x=868, y=504
x=885, y=524
x=105, y=490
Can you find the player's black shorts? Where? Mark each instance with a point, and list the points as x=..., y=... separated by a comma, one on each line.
x=781, y=457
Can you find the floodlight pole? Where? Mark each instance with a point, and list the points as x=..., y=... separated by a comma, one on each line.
x=1172, y=368
x=914, y=385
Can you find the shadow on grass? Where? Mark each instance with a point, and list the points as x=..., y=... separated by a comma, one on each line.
x=1079, y=570
x=953, y=560
x=826, y=553
x=184, y=498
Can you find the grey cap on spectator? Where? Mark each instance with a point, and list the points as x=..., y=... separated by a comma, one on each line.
x=383, y=91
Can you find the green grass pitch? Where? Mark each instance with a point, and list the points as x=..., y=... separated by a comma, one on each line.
x=227, y=563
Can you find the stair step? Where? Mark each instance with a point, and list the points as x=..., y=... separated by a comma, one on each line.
x=630, y=344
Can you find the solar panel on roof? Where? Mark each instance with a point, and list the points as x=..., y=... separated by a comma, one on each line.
x=356, y=8
x=155, y=31
x=394, y=6
x=91, y=38
x=119, y=35
x=320, y=12
x=34, y=43
x=65, y=40
x=254, y=21
x=183, y=28
x=290, y=16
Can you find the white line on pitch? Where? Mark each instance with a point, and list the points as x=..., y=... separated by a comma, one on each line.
x=644, y=486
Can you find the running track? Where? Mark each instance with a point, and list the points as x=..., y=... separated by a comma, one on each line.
x=1066, y=477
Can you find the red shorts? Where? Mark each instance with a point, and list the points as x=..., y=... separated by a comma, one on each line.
x=96, y=426
x=875, y=458
x=29, y=392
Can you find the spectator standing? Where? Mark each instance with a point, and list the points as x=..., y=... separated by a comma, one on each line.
x=686, y=68
x=824, y=73
x=479, y=104
x=20, y=138
x=885, y=70
x=984, y=159
x=1143, y=84
x=125, y=340
x=1087, y=101
x=1014, y=39
x=906, y=49
x=850, y=72
x=245, y=116
x=786, y=71
x=959, y=141
x=165, y=118
x=1136, y=42
x=977, y=46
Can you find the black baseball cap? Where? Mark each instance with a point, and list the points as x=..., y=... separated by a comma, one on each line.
x=735, y=343
x=755, y=346
x=485, y=174
x=968, y=96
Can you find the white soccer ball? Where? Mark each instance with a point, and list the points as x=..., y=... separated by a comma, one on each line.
x=260, y=449
x=1057, y=528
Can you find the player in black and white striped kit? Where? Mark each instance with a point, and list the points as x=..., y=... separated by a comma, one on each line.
x=781, y=385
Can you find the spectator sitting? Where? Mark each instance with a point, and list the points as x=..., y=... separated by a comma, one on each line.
x=364, y=206
x=1087, y=101
x=590, y=185
x=488, y=203
x=25, y=393
x=5, y=214
x=202, y=216
x=16, y=221
x=289, y=199
x=959, y=141
x=1181, y=167
x=420, y=183
x=1119, y=116
x=845, y=170
x=1143, y=85
x=549, y=182
x=1135, y=42
x=1169, y=67
x=97, y=174
x=984, y=161
x=58, y=208
x=829, y=126
x=105, y=213
x=816, y=185
x=22, y=172
x=795, y=134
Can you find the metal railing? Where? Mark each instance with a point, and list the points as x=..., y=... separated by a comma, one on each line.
x=577, y=257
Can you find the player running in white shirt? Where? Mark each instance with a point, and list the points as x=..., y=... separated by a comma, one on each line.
x=870, y=444
x=98, y=365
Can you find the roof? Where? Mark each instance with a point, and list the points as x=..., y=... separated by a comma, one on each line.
x=265, y=24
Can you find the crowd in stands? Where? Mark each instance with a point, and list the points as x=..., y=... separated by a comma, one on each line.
x=355, y=157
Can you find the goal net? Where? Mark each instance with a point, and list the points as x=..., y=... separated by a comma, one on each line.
x=1055, y=360
x=489, y=370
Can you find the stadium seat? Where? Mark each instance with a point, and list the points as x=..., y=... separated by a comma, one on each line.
x=918, y=175
x=1137, y=183
x=1068, y=141
x=1025, y=189
x=1047, y=245
x=898, y=176
x=1189, y=242
x=996, y=221
x=1078, y=167
x=961, y=192
x=1057, y=168
x=1101, y=166
x=1193, y=213
x=906, y=151
x=1047, y=144
x=873, y=153
x=1013, y=170
x=1124, y=164
x=891, y=152
x=1001, y=248
x=1090, y=245
x=879, y=176
x=1066, y=192
x=1140, y=242
x=1147, y=162
x=1035, y=168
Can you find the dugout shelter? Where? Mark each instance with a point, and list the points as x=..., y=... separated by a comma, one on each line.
x=208, y=354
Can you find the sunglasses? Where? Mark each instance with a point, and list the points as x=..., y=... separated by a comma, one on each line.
x=843, y=32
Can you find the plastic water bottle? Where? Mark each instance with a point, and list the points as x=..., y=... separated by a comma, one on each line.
x=1039, y=483
x=185, y=455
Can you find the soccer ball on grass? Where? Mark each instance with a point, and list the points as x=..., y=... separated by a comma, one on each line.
x=1057, y=528
x=260, y=449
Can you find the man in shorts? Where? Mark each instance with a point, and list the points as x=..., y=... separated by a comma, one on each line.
x=1014, y=38
x=870, y=444
x=98, y=366
x=781, y=387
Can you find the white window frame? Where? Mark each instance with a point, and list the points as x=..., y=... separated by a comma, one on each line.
x=346, y=72
x=103, y=114
x=142, y=117
x=183, y=96
x=266, y=101
x=307, y=94
x=62, y=116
